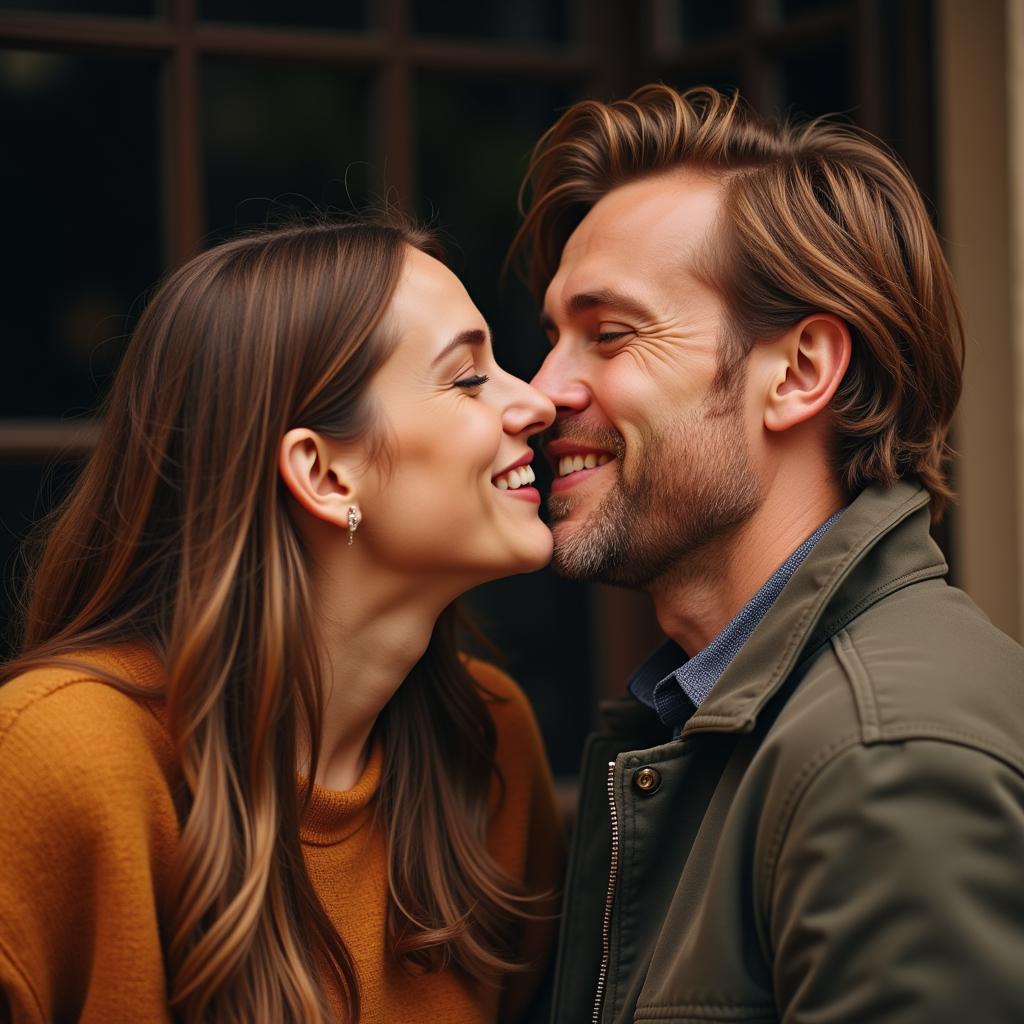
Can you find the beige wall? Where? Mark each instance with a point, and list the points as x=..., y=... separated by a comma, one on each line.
x=981, y=163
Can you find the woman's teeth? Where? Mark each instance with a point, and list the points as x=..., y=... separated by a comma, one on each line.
x=574, y=463
x=514, y=479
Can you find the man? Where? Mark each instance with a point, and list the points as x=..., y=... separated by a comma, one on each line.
x=811, y=807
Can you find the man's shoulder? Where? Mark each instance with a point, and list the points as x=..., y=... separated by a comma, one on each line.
x=927, y=663
x=924, y=663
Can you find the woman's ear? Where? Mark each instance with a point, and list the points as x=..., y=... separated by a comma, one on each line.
x=317, y=476
x=806, y=365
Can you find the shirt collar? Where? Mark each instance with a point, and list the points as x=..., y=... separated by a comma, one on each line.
x=674, y=685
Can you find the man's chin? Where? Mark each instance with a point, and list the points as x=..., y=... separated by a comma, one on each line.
x=571, y=527
x=578, y=551
x=572, y=509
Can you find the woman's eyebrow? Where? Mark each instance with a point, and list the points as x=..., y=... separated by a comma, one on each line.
x=471, y=337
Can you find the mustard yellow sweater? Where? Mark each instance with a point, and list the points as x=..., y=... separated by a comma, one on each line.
x=88, y=831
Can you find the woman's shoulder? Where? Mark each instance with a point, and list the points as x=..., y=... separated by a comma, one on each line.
x=503, y=694
x=493, y=680
x=89, y=829
x=525, y=833
x=514, y=718
x=68, y=727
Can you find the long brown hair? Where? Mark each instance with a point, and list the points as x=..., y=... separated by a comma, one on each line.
x=178, y=535
x=815, y=217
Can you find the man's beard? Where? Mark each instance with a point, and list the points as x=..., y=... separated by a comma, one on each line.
x=693, y=484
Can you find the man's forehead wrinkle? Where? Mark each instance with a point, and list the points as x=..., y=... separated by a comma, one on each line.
x=624, y=296
x=592, y=285
x=665, y=224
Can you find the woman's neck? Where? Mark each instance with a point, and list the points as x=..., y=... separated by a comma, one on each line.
x=372, y=637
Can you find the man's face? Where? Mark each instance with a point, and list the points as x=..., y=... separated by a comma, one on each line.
x=650, y=448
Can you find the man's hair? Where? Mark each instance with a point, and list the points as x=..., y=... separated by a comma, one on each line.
x=815, y=217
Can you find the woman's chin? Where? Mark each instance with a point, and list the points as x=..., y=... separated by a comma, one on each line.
x=528, y=554
x=537, y=554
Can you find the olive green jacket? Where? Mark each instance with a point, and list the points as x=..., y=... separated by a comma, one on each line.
x=838, y=834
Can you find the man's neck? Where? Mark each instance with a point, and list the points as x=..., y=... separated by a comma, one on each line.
x=701, y=596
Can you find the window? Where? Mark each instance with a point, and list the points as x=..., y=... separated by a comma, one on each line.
x=136, y=133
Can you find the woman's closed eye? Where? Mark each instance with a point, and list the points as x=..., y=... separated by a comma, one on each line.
x=478, y=380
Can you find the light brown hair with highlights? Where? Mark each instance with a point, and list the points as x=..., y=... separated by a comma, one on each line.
x=815, y=217
x=179, y=535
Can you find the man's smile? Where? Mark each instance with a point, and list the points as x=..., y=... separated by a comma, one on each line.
x=574, y=463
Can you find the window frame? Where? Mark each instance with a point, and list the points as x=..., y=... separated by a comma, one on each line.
x=611, y=49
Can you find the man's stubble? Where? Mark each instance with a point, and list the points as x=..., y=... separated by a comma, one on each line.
x=687, y=488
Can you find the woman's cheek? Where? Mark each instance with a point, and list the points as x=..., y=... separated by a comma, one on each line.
x=469, y=440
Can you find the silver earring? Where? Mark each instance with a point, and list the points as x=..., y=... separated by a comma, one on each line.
x=354, y=518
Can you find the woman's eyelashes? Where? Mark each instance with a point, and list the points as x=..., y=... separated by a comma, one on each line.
x=478, y=380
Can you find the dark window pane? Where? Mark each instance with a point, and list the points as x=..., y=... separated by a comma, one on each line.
x=816, y=80
x=511, y=20
x=724, y=77
x=338, y=14
x=81, y=188
x=29, y=491
x=473, y=141
x=282, y=137
x=794, y=8
x=682, y=21
x=134, y=8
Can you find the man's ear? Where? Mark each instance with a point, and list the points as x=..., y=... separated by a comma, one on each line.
x=806, y=365
x=317, y=477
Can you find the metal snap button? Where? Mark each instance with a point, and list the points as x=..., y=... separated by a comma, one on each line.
x=647, y=780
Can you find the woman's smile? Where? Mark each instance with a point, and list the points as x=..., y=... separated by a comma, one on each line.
x=517, y=480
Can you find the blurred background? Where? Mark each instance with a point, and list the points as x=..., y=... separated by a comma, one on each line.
x=134, y=133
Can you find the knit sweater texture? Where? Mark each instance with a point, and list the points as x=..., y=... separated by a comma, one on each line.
x=88, y=833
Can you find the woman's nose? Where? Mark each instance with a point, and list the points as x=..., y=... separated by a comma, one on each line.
x=529, y=410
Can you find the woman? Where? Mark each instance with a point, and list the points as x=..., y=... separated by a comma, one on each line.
x=244, y=774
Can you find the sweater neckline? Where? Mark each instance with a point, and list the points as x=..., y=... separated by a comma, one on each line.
x=331, y=815
x=334, y=814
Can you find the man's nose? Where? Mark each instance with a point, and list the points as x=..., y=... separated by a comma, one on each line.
x=559, y=380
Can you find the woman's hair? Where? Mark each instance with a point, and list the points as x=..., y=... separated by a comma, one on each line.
x=178, y=535
x=815, y=217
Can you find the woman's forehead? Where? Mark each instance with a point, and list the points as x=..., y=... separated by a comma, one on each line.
x=431, y=299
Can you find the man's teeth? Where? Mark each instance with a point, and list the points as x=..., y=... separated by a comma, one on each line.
x=574, y=463
x=515, y=478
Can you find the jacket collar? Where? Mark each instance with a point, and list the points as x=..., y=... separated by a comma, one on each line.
x=880, y=544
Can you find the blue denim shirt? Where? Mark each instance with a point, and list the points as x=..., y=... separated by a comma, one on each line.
x=673, y=685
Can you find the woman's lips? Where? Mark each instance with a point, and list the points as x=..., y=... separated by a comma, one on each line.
x=517, y=481
x=523, y=460
x=524, y=494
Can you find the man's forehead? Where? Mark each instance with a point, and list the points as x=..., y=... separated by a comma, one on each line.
x=578, y=287
x=638, y=236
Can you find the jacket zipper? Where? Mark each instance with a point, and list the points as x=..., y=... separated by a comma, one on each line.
x=613, y=871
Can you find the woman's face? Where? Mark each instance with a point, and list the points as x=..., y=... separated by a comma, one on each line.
x=443, y=501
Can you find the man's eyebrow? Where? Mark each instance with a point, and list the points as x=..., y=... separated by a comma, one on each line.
x=586, y=301
x=470, y=337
